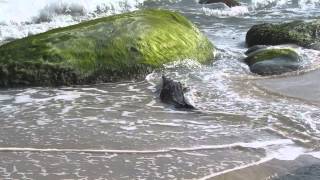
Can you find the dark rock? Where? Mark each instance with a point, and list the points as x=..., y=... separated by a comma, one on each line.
x=305, y=34
x=230, y=3
x=273, y=60
x=172, y=93
x=305, y=173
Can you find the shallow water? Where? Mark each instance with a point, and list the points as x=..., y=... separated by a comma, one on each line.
x=122, y=131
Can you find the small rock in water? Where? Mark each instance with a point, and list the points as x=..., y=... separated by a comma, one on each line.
x=265, y=60
x=230, y=3
x=172, y=93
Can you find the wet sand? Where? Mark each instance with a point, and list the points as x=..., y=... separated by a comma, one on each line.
x=305, y=86
x=303, y=168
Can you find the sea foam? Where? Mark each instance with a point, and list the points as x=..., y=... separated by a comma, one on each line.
x=19, y=11
x=20, y=18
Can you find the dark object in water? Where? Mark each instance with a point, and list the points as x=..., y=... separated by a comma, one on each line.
x=172, y=93
x=230, y=3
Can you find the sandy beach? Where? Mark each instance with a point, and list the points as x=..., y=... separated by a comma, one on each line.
x=302, y=168
x=305, y=86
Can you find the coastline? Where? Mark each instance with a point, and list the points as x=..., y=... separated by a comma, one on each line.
x=275, y=170
x=304, y=86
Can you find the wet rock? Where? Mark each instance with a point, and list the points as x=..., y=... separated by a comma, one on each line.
x=272, y=60
x=110, y=49
x=172, y=93
x=230, y=3
x=304, y=173
x=305, y=34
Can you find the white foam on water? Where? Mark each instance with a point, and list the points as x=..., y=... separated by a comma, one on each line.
x=66, y=96
x=19, y=11
x=286, y=153
x=5, y=97
x=310, y=122
x=304, y=4
x=262, y=144
x=246, y=9
x=185, y=63
x=128, y=114
x=96, y=89
x=21, y=18
x=264, y=3
x=23, y=99
x=66, y=109
x=315, y=154
x=234, y=11
x=166, y=124
x=255, y=145
x=128, y=128
x=42, y=122
x=196, y=154
x=17, y=31
x=29, y=97
x=133, y=89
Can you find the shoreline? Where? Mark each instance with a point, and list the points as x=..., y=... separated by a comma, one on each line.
x=304, y=87
x=274, y=169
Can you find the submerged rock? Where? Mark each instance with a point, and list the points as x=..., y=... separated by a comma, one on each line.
x=230, y=3
x=305, y=34
x=272, y=60
x=109, y=49
x=172, y=93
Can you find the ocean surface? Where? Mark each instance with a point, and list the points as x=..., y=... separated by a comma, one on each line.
x=122, y=130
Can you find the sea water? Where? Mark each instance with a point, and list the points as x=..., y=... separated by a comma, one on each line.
x=123, y=131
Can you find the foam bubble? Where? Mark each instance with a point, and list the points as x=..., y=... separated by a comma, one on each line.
x=128, y=128
x=234, y=11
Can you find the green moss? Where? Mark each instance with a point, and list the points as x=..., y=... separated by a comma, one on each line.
x=107, y=49
x=271, y=53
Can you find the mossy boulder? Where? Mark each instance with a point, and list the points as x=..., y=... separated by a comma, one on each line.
x=305, y=34
x=109, y=49
x=273, y=60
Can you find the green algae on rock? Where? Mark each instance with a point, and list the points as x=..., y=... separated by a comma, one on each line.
x=109, y=49
x=273, y=60
x=305, y=34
